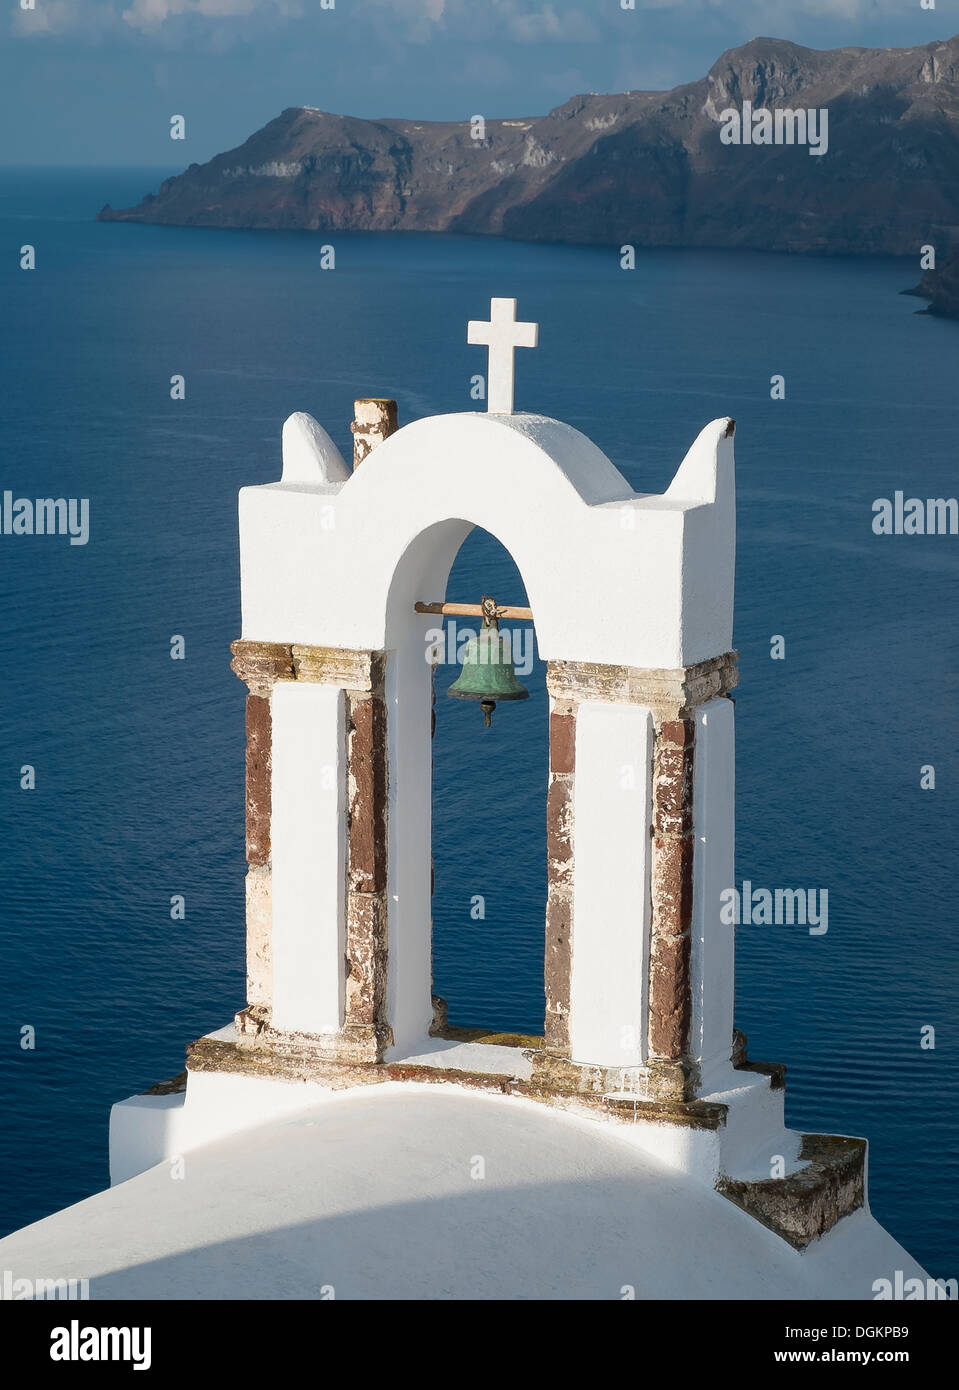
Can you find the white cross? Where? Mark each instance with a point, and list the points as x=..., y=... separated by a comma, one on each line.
x=502, y=335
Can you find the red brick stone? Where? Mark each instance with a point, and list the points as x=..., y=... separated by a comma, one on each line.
x=678, y=732
x=672, y=886
x=670, y=1000
x=559, y=831
x=366, y=955
x=672, y=789
x=562, y=742
x=367, y=812
x=259, y=758
x=557, y=970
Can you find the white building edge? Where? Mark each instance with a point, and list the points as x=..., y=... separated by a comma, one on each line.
x=339, y=1135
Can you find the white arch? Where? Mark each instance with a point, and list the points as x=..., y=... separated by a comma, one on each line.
x=612, y=575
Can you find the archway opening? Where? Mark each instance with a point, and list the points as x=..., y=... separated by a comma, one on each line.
x=489, y=817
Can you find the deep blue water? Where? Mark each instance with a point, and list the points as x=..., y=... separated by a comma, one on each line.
x=139, y=759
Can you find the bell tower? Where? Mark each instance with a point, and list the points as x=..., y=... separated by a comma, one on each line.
x=631, y=594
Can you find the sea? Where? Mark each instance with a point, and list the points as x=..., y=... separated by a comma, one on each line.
x=848, y=642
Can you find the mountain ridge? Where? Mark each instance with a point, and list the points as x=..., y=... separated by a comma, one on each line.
x=647, y=168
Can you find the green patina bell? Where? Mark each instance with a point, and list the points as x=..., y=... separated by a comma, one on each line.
x=488, y=674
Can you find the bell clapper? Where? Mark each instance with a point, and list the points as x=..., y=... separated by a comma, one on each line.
x=490, y=622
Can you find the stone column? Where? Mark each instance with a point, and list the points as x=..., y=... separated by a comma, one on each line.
x=259, y=665
x=362, y=1033
x=676, y=699
x=671, y=702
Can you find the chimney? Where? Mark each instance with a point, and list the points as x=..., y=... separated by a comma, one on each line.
x=375, y=421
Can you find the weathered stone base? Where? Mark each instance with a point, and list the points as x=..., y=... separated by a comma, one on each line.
x=661, y=1090
x=295, y=1058
x=355, y=1044
x=807, y=1204
x=659, y=1081
x=799, y=1207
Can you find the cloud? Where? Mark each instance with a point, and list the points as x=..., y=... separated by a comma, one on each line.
x=773, y=11
x=548, y=24
x=150, y=14
x=522, y=21
x=64, y=17
x=394, y=22
x=420, y=20
x=572, y=21
x=95, y=19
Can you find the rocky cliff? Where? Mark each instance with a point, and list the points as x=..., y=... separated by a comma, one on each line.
x=642, y=167
x=941, y=288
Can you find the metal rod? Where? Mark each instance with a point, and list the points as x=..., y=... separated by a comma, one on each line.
x=475, y=610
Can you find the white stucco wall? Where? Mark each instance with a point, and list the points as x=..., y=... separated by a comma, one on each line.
x=309, y=863
x=410, y=820
x=318, y=557
x=611, y=904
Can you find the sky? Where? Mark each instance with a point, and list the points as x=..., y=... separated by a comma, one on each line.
x=95, y=82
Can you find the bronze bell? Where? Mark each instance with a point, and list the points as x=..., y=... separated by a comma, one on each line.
x=488, y=674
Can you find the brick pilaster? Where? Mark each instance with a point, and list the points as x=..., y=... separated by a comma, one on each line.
x=671, y=878
x=361, y=675
x=559, y=875
x=366, y=912
x=673, y=696
x=259, y=665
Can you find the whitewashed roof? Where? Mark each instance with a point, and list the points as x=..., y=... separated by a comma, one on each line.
x=372, y=1193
